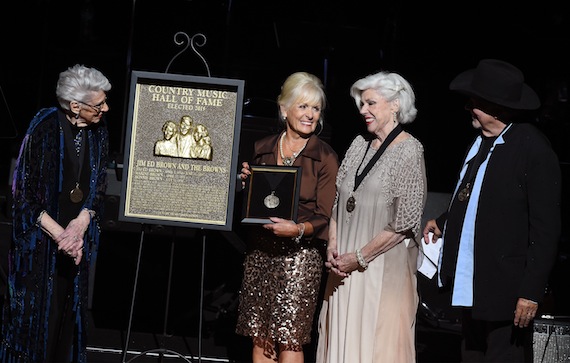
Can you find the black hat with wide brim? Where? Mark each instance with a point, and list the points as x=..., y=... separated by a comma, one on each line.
x=498, y=82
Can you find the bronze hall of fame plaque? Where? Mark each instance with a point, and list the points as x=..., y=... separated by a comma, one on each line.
x=181, y=150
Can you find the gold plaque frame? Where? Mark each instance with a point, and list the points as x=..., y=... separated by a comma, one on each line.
x=181, y=150
x=271, y=191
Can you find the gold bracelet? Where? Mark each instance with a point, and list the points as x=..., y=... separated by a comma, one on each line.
x=360, y=259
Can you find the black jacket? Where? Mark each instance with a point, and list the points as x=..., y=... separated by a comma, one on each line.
x=518, y=224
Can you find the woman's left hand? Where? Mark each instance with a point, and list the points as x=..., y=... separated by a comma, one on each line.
x=344, y=264
x=72, y=245
x=282, y=227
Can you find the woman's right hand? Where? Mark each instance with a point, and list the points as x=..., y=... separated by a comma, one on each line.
x=244, y=173
x=332, y=253
x=340, y=265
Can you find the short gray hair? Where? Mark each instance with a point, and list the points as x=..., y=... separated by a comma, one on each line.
x=390, y=86
x=77, y=83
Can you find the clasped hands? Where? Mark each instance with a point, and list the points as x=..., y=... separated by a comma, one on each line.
x=341, y=265
x=70, y=241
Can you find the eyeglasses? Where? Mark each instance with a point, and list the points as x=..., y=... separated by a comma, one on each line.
x=98, y=107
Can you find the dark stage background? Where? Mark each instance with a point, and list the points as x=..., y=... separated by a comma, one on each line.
x=262, y=42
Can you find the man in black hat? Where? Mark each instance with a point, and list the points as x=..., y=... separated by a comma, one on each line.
x=502, y=228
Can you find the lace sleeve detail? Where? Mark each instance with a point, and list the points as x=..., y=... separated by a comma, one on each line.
x=409, y=188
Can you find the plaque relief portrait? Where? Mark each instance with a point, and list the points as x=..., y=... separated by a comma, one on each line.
x=185, y=140
x=203, y=146
x=168, y=146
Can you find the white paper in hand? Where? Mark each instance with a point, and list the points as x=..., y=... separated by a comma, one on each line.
x=430, y=258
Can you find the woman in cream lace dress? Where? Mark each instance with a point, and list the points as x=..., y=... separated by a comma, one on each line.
x=369, y=308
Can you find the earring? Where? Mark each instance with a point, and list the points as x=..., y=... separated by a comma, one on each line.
x=322, y=125
x=395, y=116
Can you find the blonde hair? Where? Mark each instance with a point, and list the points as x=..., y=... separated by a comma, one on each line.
x=302, y=87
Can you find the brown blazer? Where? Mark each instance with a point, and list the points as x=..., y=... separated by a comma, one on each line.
x=319, y=163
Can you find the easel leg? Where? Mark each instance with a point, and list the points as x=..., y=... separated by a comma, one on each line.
x=134, y=294
x=161, y=351
x=201, y=312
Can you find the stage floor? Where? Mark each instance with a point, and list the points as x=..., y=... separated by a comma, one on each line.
x=219, y=344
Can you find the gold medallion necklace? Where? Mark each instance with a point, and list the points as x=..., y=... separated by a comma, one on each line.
x=358, y=178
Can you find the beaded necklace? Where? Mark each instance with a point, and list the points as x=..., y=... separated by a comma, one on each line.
x=288, y=161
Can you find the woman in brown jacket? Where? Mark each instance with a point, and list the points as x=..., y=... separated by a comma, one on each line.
x=284, y=263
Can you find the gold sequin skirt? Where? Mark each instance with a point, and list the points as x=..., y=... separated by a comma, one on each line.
x=279, y=291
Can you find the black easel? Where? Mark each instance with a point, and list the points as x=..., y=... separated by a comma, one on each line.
x=162, y=351
x=193, y=42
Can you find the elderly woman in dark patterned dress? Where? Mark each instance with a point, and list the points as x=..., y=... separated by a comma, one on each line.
x=58, y=189
x=284, y=263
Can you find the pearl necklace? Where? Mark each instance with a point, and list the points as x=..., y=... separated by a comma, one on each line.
x=288, y=161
